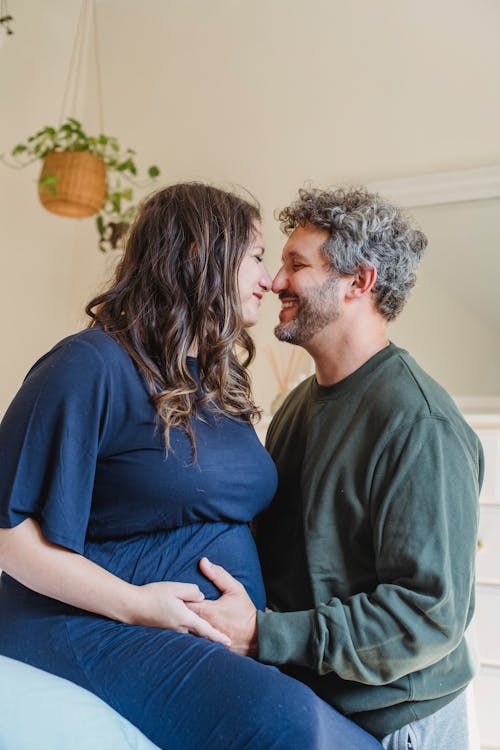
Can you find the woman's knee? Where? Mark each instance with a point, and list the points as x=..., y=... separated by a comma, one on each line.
x=287, y=712
x=302, y=721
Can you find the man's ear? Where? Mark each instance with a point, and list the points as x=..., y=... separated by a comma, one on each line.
x=362, y=282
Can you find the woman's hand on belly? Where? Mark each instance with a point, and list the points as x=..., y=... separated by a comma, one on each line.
x=58, y=573
x=163, y=604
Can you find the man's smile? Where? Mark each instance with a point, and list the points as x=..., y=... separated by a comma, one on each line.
x=287, y=303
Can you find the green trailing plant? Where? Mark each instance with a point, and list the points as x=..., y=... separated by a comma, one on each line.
x=122, y=175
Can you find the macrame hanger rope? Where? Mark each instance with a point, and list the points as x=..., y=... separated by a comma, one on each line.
x=72, y=68
x=98, y=68
x=74, y=77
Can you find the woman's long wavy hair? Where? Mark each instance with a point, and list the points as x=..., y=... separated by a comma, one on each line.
x=176, y=286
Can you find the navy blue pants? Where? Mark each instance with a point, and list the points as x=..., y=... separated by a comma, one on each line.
x=181, y=691
x=188, y=693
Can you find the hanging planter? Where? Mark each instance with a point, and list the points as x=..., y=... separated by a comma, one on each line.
x=73, y=183
x=85, y=175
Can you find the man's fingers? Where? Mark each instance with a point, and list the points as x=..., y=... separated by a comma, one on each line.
x=196, y=608
x=203, y=609
x=219, y=577
x=201, y=627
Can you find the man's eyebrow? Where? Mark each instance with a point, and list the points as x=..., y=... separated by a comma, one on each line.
x=293, y=254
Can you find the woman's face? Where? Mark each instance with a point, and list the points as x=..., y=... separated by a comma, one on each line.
x=253, y=279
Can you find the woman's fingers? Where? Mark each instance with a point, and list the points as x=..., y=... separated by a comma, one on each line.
x=188, y=592
x=166, y=604
x=198, y=626
x=189, y=620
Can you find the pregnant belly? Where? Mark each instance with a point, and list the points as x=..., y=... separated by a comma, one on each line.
x=174, y=556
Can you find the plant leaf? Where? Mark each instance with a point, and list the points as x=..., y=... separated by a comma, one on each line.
x=100, y=224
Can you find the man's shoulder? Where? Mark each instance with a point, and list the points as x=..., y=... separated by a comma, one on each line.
x=403, y=397
x=406, y=387
x=389, y=391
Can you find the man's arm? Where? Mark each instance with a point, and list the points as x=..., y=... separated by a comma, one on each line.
x=423, y=512
x=424, y=530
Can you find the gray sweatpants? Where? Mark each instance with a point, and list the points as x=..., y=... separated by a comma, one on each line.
x=447, y=729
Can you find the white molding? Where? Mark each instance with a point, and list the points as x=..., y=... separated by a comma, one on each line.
x=442, y=187
x=479, y=408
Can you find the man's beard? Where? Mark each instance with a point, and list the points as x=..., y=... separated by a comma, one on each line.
x=316, y=309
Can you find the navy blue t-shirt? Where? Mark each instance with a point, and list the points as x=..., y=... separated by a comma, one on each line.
x=82, y=451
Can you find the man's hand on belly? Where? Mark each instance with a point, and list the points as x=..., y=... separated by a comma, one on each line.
x=233, y=613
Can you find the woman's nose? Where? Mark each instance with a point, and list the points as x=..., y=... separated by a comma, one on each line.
x=266, y=281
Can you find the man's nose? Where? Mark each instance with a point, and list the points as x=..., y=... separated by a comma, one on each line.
x=280, y=281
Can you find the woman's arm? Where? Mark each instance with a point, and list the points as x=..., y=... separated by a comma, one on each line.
x=73, y=579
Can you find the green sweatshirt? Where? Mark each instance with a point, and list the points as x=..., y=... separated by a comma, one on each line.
x=368, y=548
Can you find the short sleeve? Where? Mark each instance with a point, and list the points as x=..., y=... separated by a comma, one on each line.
x=49, y=443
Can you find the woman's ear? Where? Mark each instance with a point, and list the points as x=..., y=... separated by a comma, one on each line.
x=362, y=282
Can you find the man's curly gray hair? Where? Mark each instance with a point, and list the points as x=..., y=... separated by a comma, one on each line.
x=365, y=230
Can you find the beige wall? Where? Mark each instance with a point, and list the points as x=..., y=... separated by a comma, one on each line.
x=267, y=94
x=452, y=320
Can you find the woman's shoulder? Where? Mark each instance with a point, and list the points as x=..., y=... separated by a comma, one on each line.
x=91, y=345
x=94, y=341
x=82, y=356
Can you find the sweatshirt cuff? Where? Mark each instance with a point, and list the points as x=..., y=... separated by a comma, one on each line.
x=286, y=637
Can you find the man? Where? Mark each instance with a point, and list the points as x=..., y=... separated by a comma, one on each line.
x=368, y=548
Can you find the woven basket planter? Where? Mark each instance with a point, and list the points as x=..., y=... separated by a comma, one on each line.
x=80, y=183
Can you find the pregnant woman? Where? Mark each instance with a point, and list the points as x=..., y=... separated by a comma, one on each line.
x=129, y=454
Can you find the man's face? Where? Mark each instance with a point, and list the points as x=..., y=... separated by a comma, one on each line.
x=307, y=287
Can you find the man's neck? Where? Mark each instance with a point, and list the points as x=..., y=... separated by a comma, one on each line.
x=338, y=356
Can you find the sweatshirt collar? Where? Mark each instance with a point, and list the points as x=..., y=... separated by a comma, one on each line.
x=322, y=392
